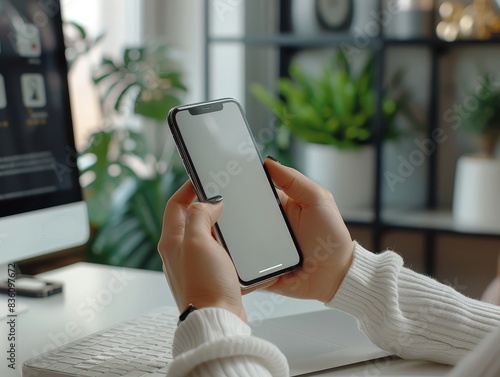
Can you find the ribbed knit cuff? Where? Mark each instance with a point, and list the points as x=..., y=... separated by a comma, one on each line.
x=216, y=334
x=369, y=285
x=208, y=325
x=409, y=314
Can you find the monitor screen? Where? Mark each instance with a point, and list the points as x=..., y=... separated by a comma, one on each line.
x=38, y=169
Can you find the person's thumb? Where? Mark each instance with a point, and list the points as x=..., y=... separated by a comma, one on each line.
x=201, y=217
x=214, y=206
x=296, y=185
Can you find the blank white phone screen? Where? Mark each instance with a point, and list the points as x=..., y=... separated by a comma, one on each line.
x=227, y=163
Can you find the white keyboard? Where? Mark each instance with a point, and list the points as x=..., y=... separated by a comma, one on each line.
x=138, y=348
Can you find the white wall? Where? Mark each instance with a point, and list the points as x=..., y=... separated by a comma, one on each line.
x=121, y=21
x=180, y=23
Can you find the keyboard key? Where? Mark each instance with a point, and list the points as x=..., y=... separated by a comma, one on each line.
x=124, y=368
x=102, y=358
x=40, y=364
x=164, y=360
x=133, y=365
x=157, y=352
x=84, y=366
x=93, y=361
x=50, y=356
x=71, y=371
x=81, y=357
x=91, y=352
x=146, y=368
x=77, y=348
x=59, y=367
x=100, y=347
x=147, y=357
x=119, y=372
x=71, y=360
x=136, y=373
x=156, y=364
x=163, y=370
x=89, y=373
x=107, y=344
x=100, y=369
x=138, y=348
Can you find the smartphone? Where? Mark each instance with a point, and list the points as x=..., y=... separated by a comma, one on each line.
x=221, y=158
x=26, y=285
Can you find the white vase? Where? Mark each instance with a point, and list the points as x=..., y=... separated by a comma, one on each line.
x=476, y=201
x=348, y=174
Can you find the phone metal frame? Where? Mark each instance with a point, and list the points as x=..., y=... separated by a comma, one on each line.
x=207, y=107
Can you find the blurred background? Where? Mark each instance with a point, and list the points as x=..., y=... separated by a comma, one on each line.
x=389, y=104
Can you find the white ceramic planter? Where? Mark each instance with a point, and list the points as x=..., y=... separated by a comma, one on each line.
x=476, y=201
x=348, y=174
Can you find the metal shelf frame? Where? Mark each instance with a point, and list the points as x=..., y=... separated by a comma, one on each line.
x=289, y=44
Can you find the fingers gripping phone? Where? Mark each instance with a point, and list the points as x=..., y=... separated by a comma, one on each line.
x=221, y=158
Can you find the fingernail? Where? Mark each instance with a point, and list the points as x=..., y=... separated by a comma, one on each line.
x=215, y=199
x=273, y=159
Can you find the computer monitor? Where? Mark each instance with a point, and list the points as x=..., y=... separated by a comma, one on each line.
x=41, y=206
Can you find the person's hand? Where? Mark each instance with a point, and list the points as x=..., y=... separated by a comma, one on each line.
x=325, y=242
x=198, y=269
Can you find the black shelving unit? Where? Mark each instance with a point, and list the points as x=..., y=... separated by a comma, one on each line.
x=429, y=221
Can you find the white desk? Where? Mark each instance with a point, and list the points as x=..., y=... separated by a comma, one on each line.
x=96, y=297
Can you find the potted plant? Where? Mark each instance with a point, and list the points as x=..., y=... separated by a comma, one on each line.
x=332, y=116
x=128, y=168
x=477, y=179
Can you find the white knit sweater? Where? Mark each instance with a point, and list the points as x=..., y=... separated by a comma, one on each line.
x=406, y=313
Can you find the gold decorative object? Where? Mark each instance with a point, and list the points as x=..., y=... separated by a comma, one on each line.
x=475, y=21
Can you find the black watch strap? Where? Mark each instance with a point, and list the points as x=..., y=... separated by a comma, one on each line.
x=185, y=313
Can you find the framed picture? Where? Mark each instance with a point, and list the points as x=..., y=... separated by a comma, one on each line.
x=334, y=15
x=314, y=17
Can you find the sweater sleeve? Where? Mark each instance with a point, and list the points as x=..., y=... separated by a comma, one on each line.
x=215, y=342
x=409, y=314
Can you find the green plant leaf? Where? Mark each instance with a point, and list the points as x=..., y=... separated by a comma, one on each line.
x=133, y=55
x=124, y=91
x=125, y=208
x=99, y=190
x=342, y=63
x=155, y=108
x=274, y=103
x=106, y=97
x=96, y=192
x=82, y=33
x=130, y=236
x=174, y=79
x=107, y=68
x=77, y=41
x=303, y=80
x=484, y=118
x=147, y=69
x=338, y=107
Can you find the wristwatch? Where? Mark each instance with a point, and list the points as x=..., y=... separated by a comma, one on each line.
x=185, y=313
